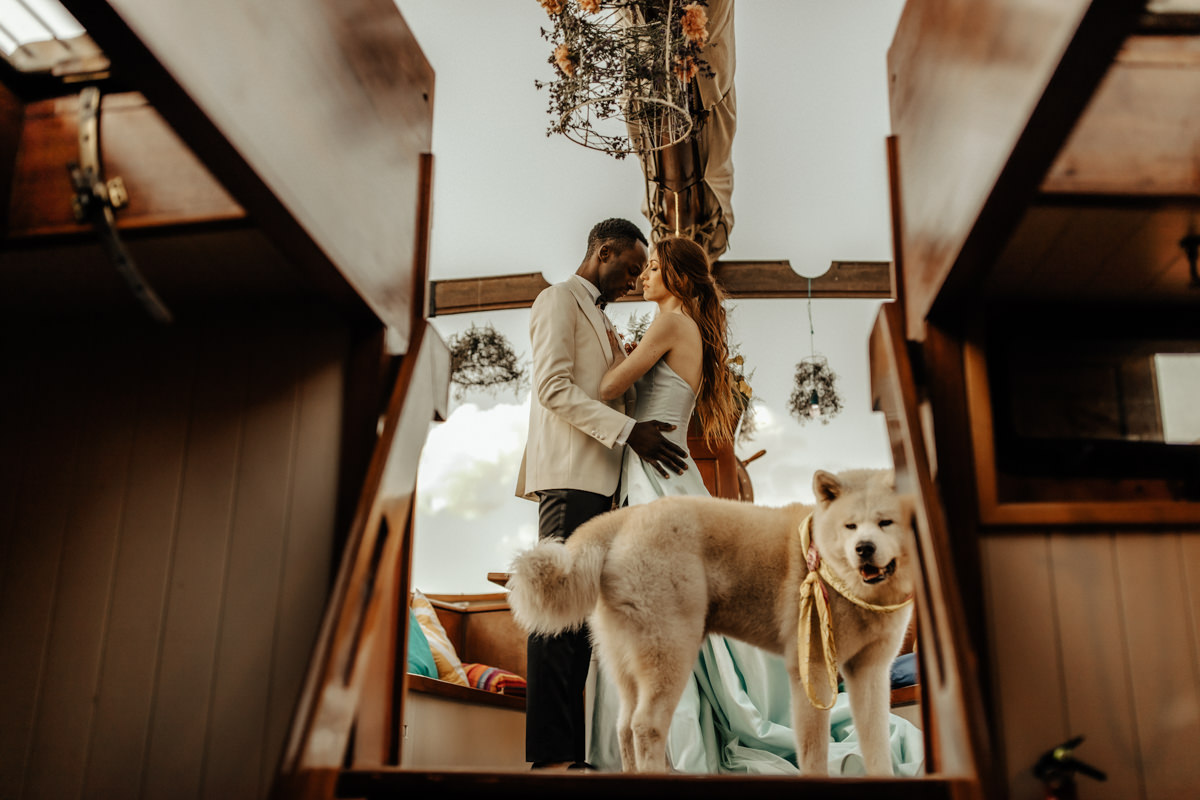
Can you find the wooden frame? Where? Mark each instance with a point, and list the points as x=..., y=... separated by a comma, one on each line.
x=1004, y=139
x=314, y=79
x=363, y=636
x=952, y=707
x=739, y=279
x=995, y=511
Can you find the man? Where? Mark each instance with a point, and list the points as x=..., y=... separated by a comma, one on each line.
x=572, y=461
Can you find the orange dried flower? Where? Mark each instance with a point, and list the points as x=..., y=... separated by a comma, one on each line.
x=590, y=6
x=695, y=23
x=562, y=57
x=552, y=6
x=686, y=69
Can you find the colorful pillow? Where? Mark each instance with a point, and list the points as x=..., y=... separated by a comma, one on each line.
x=494, y=679
x=449, y=668
x=420, y=657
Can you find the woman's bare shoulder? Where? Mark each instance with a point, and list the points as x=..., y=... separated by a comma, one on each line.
x=675, y=321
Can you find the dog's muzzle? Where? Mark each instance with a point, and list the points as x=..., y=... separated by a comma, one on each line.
x=873, y=574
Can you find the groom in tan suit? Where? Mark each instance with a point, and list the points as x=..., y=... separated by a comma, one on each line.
x=572, y=462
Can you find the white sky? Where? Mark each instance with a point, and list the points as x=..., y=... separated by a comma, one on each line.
x=810, y=186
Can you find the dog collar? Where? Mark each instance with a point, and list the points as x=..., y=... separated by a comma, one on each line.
x=819, y=575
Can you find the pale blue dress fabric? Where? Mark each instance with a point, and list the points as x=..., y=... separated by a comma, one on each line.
x=735, y=714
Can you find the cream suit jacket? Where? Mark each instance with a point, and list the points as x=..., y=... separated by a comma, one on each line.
x=573, y=436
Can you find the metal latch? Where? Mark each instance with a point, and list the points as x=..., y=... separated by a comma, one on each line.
x=95, y=200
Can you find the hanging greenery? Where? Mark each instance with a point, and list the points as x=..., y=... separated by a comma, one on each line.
x=623, y=70
x=481, y=358
x=748, y=424
x=814, y=391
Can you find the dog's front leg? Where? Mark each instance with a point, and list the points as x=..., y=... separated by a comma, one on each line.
x=811, y=726
x=869, y=687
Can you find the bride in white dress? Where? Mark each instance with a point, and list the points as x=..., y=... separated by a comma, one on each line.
x=735, y=714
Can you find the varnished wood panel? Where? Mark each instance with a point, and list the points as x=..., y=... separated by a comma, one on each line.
x=187, y=649
x=31, y=569
x=12, y=113
x=249, y=606
x=98, y=488
x=739, y=279
x=1109, y=253
x=120, y=727
x=956, y=736
x=1069, y=266
x=309, y=554
x=1165, y=679
x=1190, y=550
x=1095, y=635
x=1025, y=253
x=199, y=274
x=1096, y=689
x=1027, y=662
x=167, y=552
x=166, y=183
x=361, y=622
x=315, y=126
x=1137, y=135
x=982, y=96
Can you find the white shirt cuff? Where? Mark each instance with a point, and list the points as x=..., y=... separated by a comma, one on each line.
x=628, y=429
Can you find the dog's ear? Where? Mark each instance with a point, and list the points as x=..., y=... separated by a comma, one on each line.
x=826, y=486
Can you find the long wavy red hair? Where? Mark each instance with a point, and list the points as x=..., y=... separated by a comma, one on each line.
x=687, y=274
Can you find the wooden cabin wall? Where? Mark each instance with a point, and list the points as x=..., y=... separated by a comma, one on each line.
x=167, y=498
x=1097, y=634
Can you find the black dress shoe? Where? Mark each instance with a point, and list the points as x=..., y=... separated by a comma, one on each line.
x=582, y=766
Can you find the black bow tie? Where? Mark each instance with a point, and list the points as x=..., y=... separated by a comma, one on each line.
x=601, y=302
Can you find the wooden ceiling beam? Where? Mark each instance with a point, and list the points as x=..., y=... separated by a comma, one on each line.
x=740, y=279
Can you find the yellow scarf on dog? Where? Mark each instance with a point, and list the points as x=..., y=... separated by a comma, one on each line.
x=813, y=600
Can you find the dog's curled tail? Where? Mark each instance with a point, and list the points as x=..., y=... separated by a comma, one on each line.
x=554, y=585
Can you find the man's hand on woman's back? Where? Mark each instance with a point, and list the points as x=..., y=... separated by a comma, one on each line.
x=647, y=441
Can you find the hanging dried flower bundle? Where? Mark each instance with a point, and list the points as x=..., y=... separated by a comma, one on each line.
x=814, y=392
x=482, y=358
x=623, y=71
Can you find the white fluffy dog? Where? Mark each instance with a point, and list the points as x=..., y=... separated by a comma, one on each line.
x=653, y=579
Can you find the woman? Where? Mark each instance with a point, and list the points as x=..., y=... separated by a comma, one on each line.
x=681, y=365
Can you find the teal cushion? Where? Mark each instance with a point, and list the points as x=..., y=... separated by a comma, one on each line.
x=420, y=657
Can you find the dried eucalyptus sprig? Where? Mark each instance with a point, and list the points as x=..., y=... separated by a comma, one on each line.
x=481, y=358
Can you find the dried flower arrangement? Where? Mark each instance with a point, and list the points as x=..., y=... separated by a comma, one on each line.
x=482, y=358
x=814, y=391
x=623, y=70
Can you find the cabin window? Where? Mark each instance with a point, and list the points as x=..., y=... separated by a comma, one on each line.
x=40, y=36
x=1091, y=404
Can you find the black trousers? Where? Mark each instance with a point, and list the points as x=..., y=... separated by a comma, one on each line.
x=555, y=726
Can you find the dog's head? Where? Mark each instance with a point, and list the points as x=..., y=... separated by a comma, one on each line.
x=864, y=531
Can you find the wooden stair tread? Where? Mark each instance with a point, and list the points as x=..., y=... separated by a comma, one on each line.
x=388, y=783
